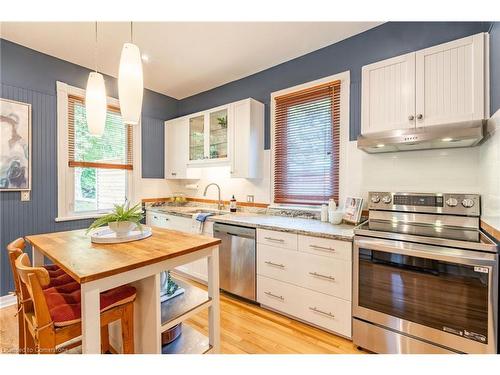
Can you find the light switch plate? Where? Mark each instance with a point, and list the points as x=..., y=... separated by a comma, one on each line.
x=25, y=196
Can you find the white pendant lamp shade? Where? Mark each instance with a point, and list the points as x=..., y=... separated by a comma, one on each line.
x=130, y=84
x=95, y=104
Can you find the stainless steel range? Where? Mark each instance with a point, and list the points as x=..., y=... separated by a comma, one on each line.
x=425, y=277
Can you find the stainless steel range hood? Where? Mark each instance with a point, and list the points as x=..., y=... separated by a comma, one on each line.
x=463, y=134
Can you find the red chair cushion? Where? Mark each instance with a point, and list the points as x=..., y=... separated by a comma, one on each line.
x=65, y=307
x=59, y=280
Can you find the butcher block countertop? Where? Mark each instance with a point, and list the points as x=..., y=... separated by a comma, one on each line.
x=85, y=261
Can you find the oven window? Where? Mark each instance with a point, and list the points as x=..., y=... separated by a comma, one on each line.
x=445, y=296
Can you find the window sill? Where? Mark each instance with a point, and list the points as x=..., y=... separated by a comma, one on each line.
x=78, y=217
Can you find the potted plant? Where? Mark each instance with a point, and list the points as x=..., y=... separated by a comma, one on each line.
x=121, y=220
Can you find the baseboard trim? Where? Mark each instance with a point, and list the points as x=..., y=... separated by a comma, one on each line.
x=7, y=300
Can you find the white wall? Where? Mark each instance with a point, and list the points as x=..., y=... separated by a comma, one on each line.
x=446, y=171
x=489, y=172
x=240, y=187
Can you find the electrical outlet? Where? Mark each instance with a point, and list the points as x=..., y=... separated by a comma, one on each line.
x=25, y=196
x=250, y=198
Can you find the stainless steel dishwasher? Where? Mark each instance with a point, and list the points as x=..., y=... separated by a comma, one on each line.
x=237, y=259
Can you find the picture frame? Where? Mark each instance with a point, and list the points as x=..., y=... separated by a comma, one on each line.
x=15, y=145
x=352, y=209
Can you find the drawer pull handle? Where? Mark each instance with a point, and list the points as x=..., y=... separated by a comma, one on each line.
x=322, y=248
x=274, y=295
x=331, y=278
x=275, y=264
x=316, y=310
x=274, y=239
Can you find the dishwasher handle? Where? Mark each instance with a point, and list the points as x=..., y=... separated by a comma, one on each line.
x=234, y=230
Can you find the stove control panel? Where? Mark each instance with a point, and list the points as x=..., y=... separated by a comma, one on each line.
x=441, y=203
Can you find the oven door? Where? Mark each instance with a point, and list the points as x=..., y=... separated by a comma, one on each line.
x=442, y=295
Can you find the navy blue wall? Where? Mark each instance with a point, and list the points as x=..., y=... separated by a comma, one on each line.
x=29, y=76
x=387, y=40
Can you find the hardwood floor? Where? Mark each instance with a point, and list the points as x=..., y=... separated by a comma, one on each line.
x=245, y=328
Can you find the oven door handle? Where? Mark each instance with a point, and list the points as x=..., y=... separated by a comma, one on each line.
x=444, y=254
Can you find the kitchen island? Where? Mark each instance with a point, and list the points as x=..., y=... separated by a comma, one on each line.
x=100, y=267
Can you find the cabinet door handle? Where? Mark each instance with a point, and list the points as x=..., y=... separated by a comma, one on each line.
x=274, y=295
x=275, y=264
x=274, y=239
x=316, y=310
x=317, y=247
x=174, y=174
x=420, y=116
x=411, y=117
x=331, y=278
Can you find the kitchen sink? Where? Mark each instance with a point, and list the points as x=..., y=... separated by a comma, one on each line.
x=205, y=211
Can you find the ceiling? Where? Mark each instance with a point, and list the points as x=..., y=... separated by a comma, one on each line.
x=184, y=58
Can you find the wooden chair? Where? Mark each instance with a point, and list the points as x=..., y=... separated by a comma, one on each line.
x=14, y=250
x=57, y=276
x=52, y=316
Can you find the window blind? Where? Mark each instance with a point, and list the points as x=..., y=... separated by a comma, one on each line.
x=306, y=145
x=111, y=151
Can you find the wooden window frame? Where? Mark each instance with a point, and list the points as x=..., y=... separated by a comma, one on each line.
x=344, y=79
x=65, y=173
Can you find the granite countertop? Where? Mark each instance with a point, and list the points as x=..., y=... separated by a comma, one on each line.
x=309, y=227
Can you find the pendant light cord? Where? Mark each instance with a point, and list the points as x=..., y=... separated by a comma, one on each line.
x=131, y=33
x=95, y=48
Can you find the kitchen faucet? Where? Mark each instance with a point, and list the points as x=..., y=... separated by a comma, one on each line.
x=220, y=205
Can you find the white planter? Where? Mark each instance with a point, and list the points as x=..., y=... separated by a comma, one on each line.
x=122, y=228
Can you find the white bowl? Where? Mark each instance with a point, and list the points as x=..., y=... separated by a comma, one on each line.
x=335, y=217
x=122, y=228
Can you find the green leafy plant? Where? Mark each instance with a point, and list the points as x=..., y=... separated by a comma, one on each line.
x=222, y=121
x=120, y=213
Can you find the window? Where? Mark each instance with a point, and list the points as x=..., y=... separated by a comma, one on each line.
x=307, y=145
x=94, y=172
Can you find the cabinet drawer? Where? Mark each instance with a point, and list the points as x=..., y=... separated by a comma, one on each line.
x=316, y=308
x=277, y=263
x=326, y=275
x=325, y=247
x=277, y=295
x=158, y=220
x=325, y=311
x=278, y=239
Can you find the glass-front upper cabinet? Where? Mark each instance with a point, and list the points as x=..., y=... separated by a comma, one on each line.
x=208, y=136
x=218, y=134
x=197, y=138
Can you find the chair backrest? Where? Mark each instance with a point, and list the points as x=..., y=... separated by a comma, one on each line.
x=33, y=279
x=15, y=249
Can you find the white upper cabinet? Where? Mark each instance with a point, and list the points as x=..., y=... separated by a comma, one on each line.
x=177, y=150
x=232, y=135
x=247, y=139
x=388, y=94
x=209, y=136
x=450, y=82
x=438, y=85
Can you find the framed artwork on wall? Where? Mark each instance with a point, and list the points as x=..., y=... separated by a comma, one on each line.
x=352, y=209
x=15, y=145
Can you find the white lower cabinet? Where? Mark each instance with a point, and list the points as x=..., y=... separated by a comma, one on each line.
x=331, y=313
x=311, y=279
x=198, y=270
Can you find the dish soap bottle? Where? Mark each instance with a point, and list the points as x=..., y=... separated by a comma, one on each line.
x=232, y=204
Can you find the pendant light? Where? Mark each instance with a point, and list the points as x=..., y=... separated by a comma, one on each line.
x=95, y=99
x=130, y=82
